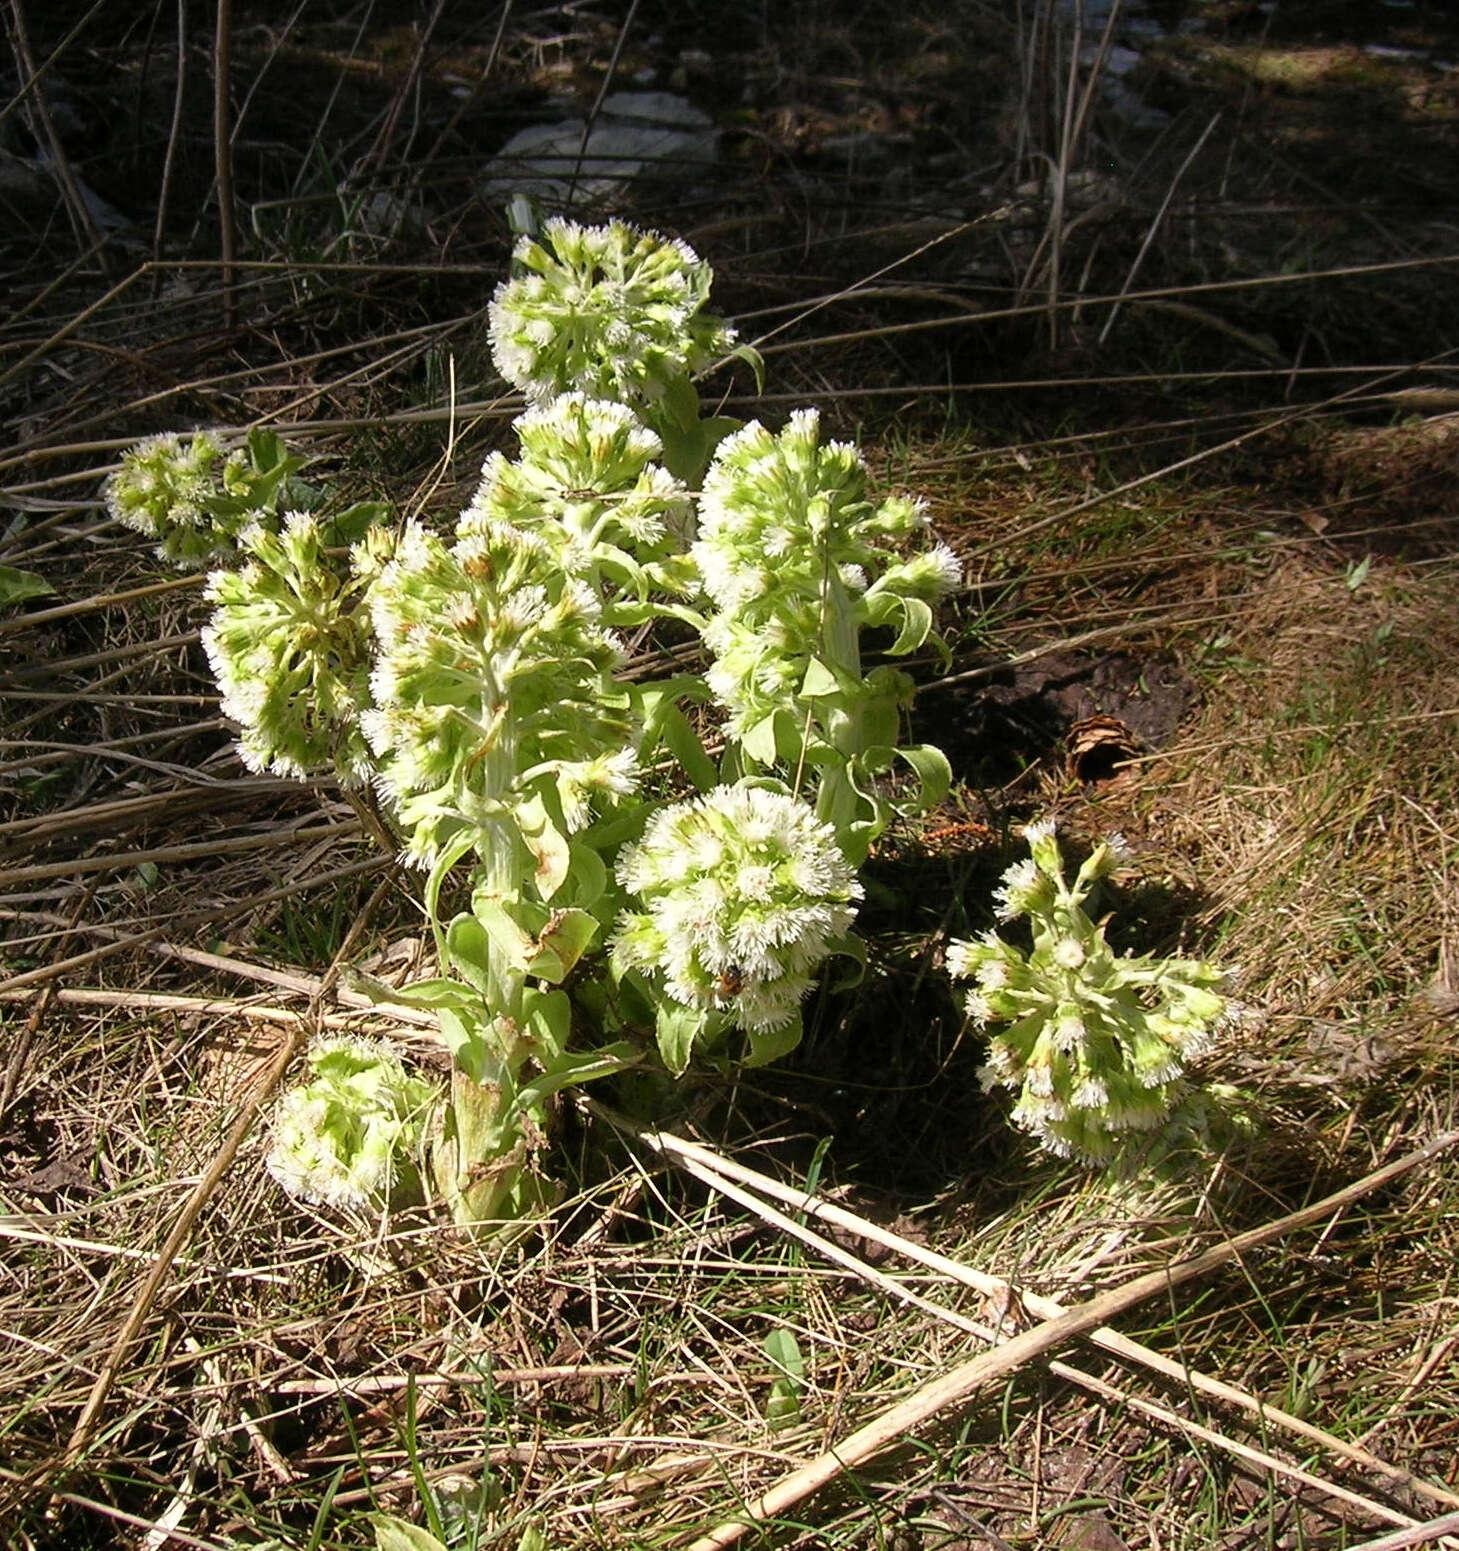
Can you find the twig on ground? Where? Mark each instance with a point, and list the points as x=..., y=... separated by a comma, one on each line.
x=957, y=1386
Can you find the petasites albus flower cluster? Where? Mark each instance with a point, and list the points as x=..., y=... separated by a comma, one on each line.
x=289, y=647
x=743, y=894
x=587, y=481
x=799, y=561
x=168, y=489
x=495, y=713
x=609, y=311
x=1095, y=1043
x=193, y=497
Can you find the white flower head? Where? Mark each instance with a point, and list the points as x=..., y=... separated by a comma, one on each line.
x=743, y=894
x=606, y=310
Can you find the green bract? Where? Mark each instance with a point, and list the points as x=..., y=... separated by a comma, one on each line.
x=354, y=1131
x=1096, y=1043
x=495, y=708
x=605, y=310
x=744, y=893
x=289, y=647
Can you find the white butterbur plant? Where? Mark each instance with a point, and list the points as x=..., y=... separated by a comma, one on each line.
x=645, y=871
x=605, y=310
x=289, y=647
x=352, y=1135
x=1096, y=1043
x=193, y=497
x=800, y=561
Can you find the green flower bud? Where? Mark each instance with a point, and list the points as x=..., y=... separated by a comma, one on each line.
x=353, y=1132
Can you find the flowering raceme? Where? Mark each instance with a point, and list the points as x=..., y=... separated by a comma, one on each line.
x=1096, y=1043
x=586, y=482
x=289, y=645
x=350, y=1134
x=796, y=556
x=605, y=310
x=492, y=686
x=169, y=489
x=744, y=894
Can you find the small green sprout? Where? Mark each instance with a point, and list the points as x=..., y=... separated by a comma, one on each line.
x=1097, y=1044
x=352, y=1134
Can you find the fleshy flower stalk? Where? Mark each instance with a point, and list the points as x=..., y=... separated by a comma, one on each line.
x=1097, y=1044
x=743, y=894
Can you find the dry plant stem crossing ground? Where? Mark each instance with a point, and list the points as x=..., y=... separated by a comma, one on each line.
x=717, y=1171
x=957, y=1386
x=1050, y=1309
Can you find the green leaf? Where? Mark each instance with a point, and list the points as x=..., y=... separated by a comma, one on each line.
x=17, y=586
x=392, y=1534
x=570, y=1071
x=678, y=736
x=819, y=681
x=548, y=1018
x=677, y=1029
x=351, y=525
x=754, y=360
x=767, y=1047
x=470, y=949
x=461, y=1034
x=782, y=1408
x=436, y=991
x=759, y=742
x=934, y=774
x=783, y=1350
x=516, y=942
x=565, y=936
x=849, y=947
x=916, y=627
x=587, y=877
x=547, y=844
x=680, y=404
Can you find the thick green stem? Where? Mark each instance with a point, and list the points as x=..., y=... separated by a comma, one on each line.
x=837, y=800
